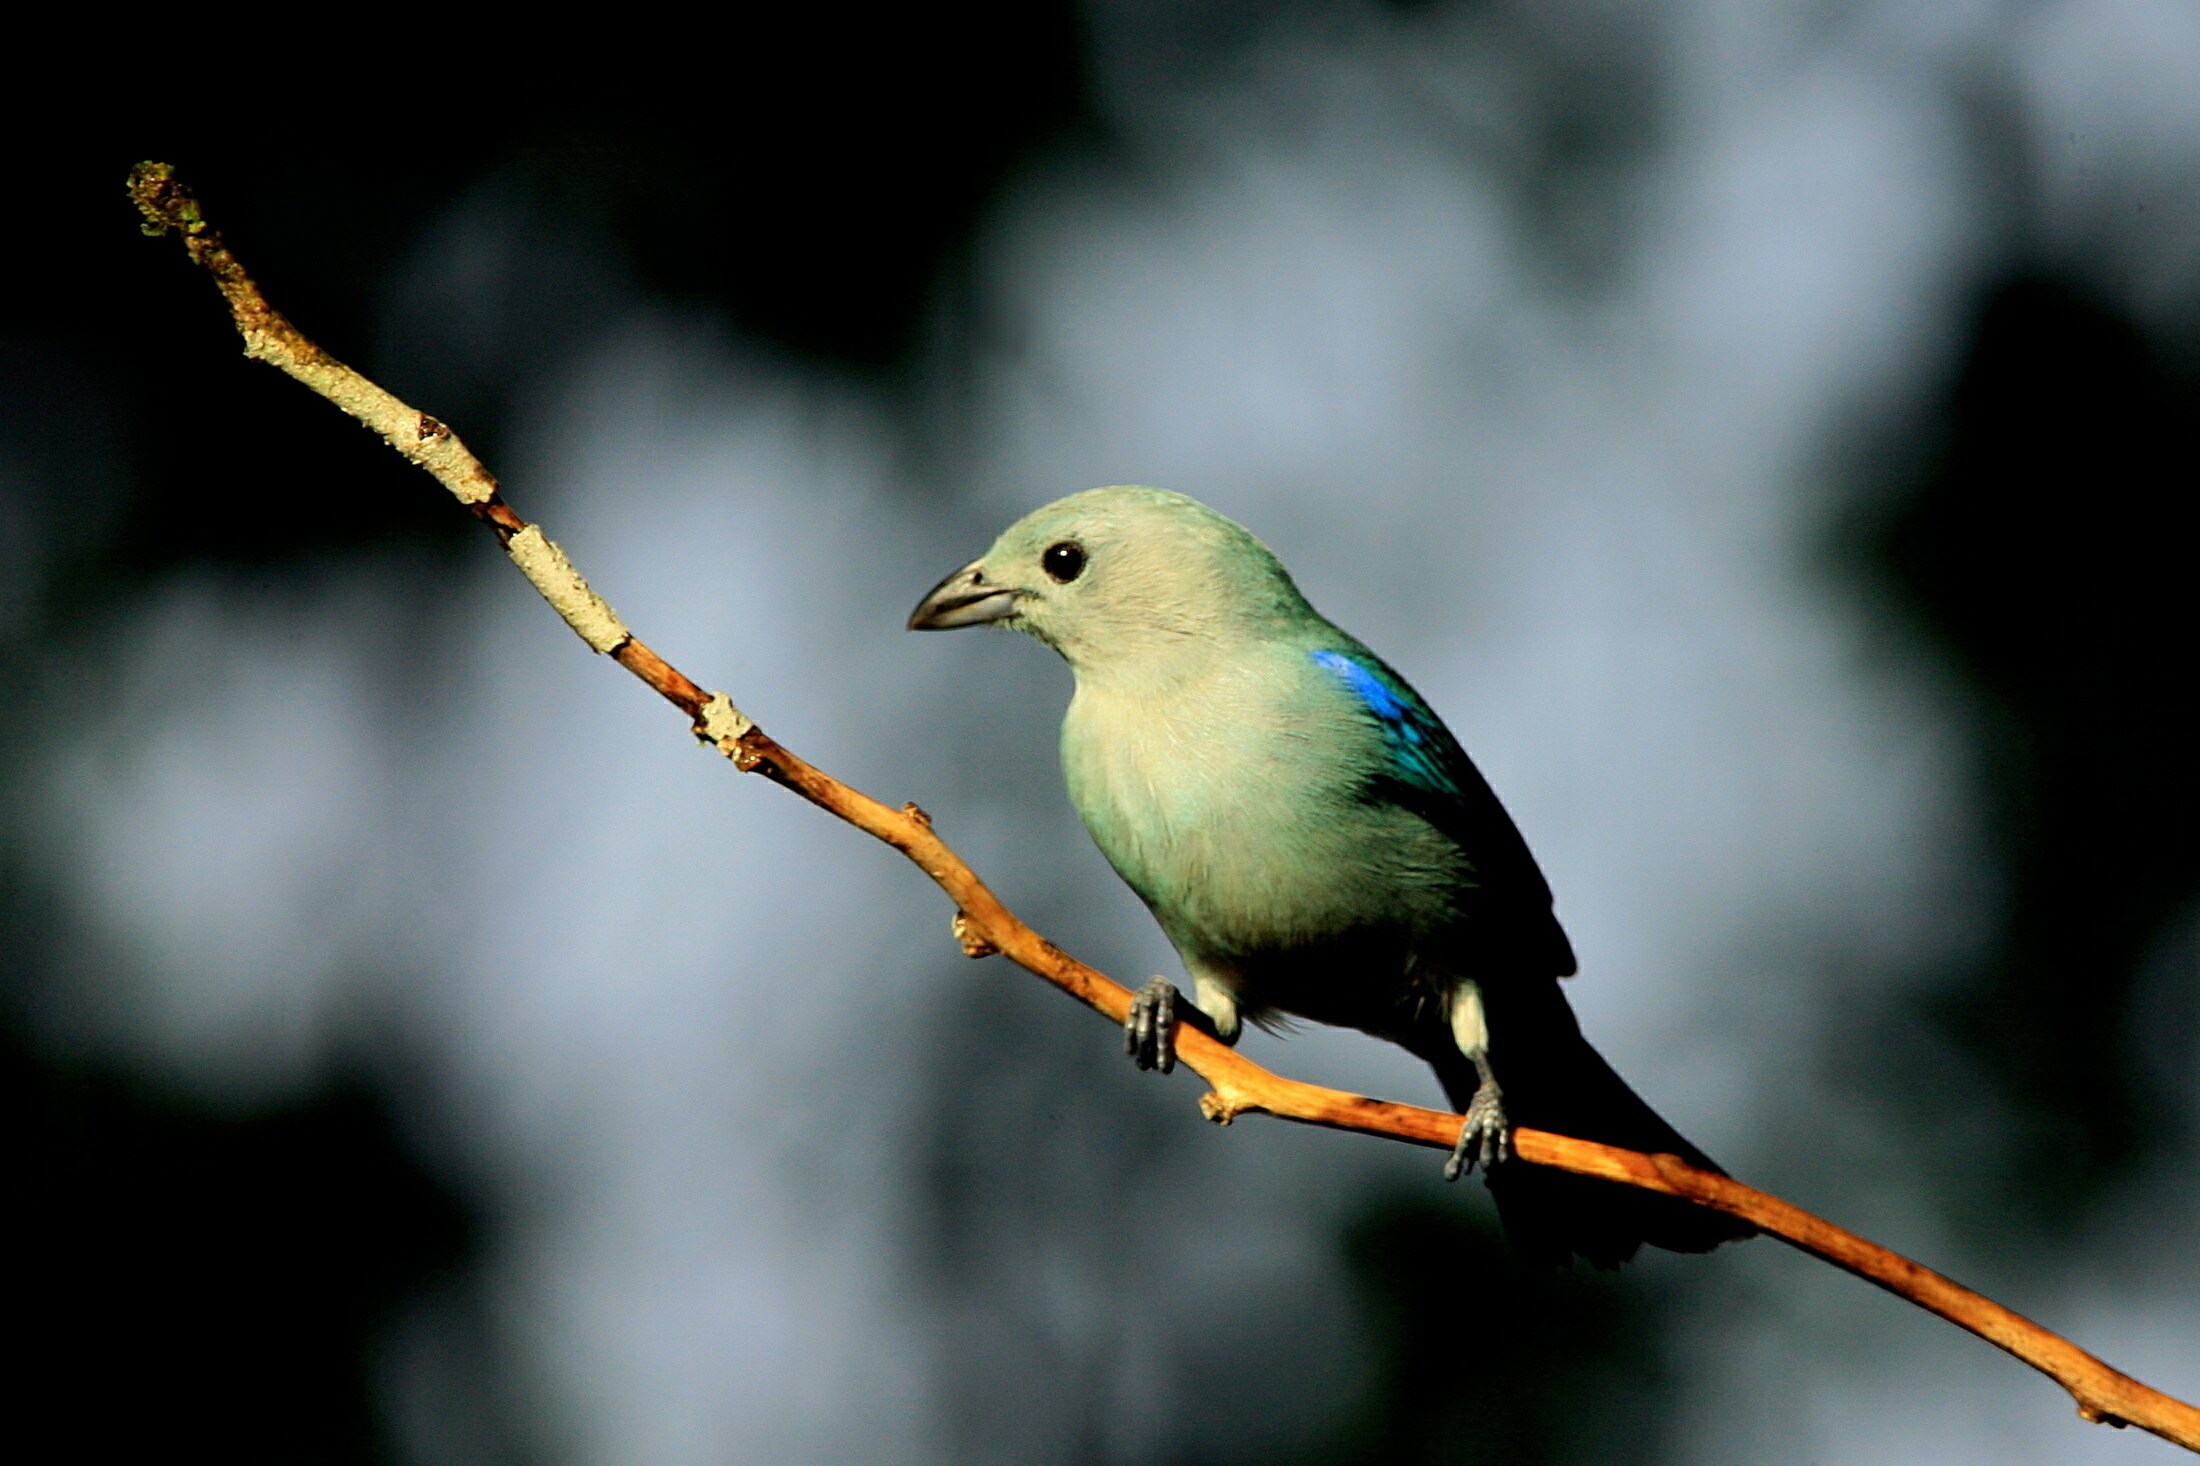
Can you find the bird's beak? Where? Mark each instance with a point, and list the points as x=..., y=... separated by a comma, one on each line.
x=963, y=599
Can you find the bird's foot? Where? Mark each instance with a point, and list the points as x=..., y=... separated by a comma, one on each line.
x=1149, y=1029
x=1487, y=1135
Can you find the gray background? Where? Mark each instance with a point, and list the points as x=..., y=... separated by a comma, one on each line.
x=1764, y=433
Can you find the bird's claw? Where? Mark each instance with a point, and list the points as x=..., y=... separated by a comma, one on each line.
x=1487, y=1135
x=1149, y=1029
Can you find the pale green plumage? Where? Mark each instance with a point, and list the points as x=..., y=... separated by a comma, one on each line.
x=1311, y=838
x=1214, y=764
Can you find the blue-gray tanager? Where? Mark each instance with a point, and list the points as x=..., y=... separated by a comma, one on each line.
x=1315, y=843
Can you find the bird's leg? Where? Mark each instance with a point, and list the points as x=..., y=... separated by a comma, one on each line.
x=1149, y=1029
x=1487, y=1134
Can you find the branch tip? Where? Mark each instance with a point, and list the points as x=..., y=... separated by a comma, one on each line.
x=163, y=200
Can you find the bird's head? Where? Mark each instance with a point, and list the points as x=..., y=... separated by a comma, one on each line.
x=1119, y=577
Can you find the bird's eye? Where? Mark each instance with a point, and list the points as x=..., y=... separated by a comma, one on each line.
x=1064, y=560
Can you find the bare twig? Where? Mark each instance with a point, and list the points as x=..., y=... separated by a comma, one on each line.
x=985, y=926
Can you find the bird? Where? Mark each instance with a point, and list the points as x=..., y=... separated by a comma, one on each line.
x=1316, y=845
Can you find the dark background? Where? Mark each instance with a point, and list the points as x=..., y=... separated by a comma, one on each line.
x=1768, y=439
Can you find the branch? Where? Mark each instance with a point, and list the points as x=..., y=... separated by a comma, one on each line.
x=985, y=926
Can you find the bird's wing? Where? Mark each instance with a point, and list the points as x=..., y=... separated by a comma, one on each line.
x=1426, y=771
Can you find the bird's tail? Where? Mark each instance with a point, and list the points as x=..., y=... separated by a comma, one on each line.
x=1553, y=1080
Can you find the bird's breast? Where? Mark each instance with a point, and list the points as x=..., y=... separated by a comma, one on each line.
x=1242, y=821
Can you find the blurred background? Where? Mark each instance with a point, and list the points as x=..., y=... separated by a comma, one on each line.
x=1765, y=432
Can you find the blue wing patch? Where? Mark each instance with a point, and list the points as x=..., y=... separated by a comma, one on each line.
x=1420, y=749
x=1506, y=897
